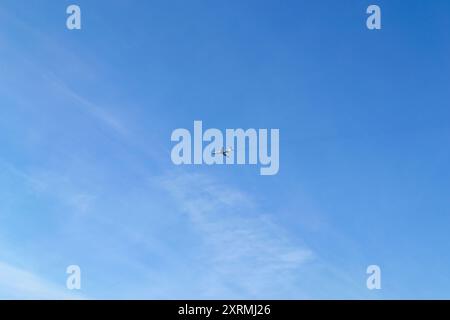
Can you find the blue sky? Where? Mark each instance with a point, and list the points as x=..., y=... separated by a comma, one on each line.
x=86, y=176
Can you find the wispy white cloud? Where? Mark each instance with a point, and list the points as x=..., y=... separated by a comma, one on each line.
x=249, y=255
x=17, y=283
x=101, y=113
x=96, y=111
x=60, y=186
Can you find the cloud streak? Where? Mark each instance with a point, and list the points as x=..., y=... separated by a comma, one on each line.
x=244, y=245
x=22, y=284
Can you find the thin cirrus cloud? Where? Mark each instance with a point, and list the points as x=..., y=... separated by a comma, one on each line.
x=243, y=244
x=19, y=283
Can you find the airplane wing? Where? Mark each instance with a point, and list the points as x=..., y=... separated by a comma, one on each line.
x=219, y=152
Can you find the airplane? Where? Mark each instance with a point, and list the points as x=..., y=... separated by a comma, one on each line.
x=224, y=152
